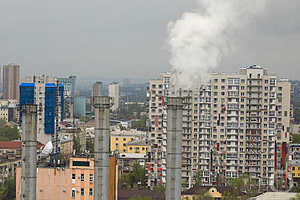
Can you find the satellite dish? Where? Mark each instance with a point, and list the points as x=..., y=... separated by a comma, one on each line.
x=47, y=149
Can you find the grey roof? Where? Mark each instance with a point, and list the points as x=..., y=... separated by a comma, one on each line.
x=275, y=196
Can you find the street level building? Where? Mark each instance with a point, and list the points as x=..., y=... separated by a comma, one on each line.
x=75, y=181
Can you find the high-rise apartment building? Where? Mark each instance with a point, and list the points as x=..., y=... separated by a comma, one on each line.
x=236, y=124
x=11, y=81
x=157, y=93
x=44, y=92
x=98, y=89
x=114, y=93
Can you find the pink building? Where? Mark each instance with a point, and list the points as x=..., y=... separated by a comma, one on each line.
x=73, y=183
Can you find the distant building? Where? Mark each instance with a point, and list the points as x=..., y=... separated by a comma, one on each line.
x=69, y=93
x=8, y=110
x=70, y=85
x=97, y=89
x=75, y=182
x=124, y=141
x=80, y=106
x=113, y=92
x=11, y=81
x=42, y=90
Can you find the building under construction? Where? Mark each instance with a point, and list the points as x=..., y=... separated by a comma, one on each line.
x=46, y=93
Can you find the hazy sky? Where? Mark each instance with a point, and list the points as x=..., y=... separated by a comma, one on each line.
x=103, y=38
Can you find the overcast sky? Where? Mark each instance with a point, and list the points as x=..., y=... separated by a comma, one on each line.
x=103, y=38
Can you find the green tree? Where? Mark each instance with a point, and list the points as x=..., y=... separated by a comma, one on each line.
x=8, y=189
x=8, y=133
x=296, y=138
x=90, y=145
x=159, y=188
x=199, y=179
x=135, y=178
x=297, y=197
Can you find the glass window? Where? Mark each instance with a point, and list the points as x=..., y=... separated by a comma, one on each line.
x=91, y=177
x=82, y=177
x=91, y=192
x=73, y=176
x=73, y=193
x=82, y=191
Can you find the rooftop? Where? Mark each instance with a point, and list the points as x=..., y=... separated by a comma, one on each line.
x=275, y=196
x=15, y=145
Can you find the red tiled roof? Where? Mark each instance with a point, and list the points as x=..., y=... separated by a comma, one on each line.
x=15, y=145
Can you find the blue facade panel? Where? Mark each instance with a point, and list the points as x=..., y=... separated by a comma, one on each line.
x=50, y=108
x=62, y=101
x=26, y=96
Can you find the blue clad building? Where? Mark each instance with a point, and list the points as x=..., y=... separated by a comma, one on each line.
x=26, y=96
x=45, y=96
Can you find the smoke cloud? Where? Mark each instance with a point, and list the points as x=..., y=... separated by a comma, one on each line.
x=200, y=38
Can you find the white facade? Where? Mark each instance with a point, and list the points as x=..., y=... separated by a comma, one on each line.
x=114, y=93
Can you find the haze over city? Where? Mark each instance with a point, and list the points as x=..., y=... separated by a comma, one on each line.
x=109, y=39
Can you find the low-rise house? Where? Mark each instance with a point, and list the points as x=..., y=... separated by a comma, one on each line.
x=204, y=191
x=10, y=158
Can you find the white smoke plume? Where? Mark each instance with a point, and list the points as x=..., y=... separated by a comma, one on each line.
x=198, y=41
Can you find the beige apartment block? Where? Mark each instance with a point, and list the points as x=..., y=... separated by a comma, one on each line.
x=157, y=92
x=230, y=127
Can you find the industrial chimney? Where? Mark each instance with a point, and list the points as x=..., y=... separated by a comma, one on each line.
x=29, y=155
x=101, y=147
x=174, y=146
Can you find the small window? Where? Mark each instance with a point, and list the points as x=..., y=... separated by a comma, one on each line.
x=91, y=177
x=73, y=193
x=124, y=139
x=82, y=177
x=73, y=176
x=91, y=192
x=82, y=191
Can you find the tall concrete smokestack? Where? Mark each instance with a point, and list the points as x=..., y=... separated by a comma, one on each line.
x=29, y=155
x=174, y=146
x=101, y=147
